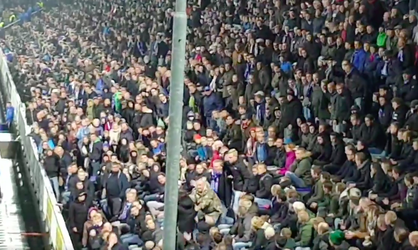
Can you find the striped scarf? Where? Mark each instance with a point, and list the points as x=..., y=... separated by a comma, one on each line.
x=214, y=184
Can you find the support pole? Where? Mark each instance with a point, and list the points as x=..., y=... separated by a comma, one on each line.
x=175, y=125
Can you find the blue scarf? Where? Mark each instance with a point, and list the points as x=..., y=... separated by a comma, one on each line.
x=214, y=184
x=249, y=68
x=125, y=212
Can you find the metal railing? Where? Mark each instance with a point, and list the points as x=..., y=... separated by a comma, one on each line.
x=50, y=213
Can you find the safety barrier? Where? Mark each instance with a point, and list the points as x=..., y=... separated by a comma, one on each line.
x=50, y=212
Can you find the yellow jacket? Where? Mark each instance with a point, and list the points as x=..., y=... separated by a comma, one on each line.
x=12, y=18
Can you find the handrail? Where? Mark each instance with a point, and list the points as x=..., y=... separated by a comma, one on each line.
x=50, y=212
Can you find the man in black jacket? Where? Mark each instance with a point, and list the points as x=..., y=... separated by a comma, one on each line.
x=410, y=163
x=338, y=156
x=291, y=110
x=355, y=83
x=51, y=165
x=115, y=186
x=263, y=194
x=396, y=190
x=70, y=182
x=95, y=154
x=240, y=175
x=399, y=111
x=373, y=135
x=412, y=116
x=362, y=180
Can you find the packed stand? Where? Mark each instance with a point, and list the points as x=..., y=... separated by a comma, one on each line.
x=299, y=131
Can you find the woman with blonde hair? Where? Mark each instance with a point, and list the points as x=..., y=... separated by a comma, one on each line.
x=321, y=241
x=247, y=210
x=93, y=221
x=258, y=240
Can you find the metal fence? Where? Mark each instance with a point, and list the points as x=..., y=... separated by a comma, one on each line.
x=50, y=212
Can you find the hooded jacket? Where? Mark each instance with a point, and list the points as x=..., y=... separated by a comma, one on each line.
x=302, y=168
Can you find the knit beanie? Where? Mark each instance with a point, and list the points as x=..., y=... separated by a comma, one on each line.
x=337, y=237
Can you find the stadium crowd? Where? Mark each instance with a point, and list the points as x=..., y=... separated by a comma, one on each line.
x=300, y=121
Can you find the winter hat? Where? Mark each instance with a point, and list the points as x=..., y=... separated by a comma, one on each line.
x=337, y=237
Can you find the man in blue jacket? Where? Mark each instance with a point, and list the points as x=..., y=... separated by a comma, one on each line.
x=10, y=113
x=359, y=56
x=211, y=102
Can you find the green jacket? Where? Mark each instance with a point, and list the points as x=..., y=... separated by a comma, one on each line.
x=302, y=169
x=118, y=101
x=381, y=39
x=290, y=244
x=305, y=234
x=325, y=201
x=334, y=205
x=318, y=193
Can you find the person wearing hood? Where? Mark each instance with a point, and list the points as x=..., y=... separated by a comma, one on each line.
x=291, y=110
x=77, y=216
x=300, y=171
